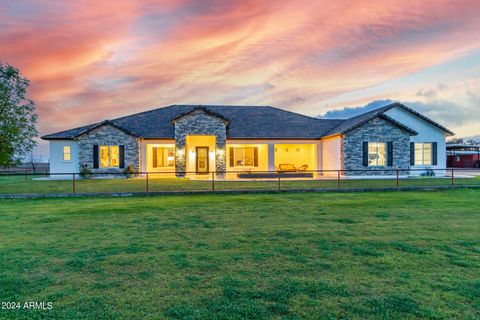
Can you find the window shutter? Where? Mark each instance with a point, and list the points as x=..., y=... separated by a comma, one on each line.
x=412, y=153
x=121, y=151
x=365, y=154
x=390, y=154
x=95, y=157
x=231, y=156
x=255, y=156
x=154, y=157
x=434, y=154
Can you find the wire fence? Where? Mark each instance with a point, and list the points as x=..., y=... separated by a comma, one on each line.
x=148, y=182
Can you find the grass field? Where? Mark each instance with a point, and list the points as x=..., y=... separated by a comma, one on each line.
x=285, y=256
x=22, y=185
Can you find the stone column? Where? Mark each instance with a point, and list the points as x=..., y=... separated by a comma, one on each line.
x=180, y=156
x=220, y=156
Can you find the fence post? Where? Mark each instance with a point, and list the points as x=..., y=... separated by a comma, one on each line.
x=453, y=178
x=397, y=177
x=146, y=182
x=73, y=183
x=213, y=181
x=338, y=179
x=279, y=181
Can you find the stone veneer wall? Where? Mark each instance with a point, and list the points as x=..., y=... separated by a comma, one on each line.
x=195, y=124
x=375, y=130
x=108, y=135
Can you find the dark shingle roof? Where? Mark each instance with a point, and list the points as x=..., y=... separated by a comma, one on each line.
x=354, y=122
x=246, y=122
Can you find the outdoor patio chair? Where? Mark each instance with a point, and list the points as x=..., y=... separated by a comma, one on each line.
x=303, y=167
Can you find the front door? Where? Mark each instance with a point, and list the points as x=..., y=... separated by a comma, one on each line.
x=202, y=160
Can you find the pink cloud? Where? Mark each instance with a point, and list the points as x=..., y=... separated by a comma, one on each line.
x=92, y=60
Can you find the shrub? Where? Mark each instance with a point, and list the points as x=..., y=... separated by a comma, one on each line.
x=85, y=172
x=129, y=171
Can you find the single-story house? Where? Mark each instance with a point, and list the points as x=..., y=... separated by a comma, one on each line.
x=195, y=140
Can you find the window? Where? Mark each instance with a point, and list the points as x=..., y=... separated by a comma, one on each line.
x=109, y=157
x=67, y=153
x=244, y=157
x=163, y=157
x=423, y=154
x=377, y=154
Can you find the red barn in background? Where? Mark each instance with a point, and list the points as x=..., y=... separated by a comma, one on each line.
x=463, y=156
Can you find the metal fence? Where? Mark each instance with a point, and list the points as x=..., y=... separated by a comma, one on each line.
x=149, y=182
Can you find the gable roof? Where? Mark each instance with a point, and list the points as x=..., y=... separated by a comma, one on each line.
x=354, y=122
x=245, y=122
x=203, y=109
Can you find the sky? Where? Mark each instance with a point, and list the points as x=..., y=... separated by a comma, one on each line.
x=92, y=60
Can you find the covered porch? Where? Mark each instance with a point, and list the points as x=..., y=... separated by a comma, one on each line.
x=260, y=160
x=241, y=159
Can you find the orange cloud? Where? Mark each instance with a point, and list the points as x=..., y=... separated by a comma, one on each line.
x=92, y=60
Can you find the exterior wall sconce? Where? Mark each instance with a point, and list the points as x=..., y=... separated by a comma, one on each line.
x=180, y=152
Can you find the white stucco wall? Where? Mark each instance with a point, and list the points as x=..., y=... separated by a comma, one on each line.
x=331, y=154
x=426, y=133
x=57, y=164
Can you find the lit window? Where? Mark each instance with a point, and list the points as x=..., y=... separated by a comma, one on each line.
x=163, y=157
x=423, y=154
x=67, y=154
x=109, y=157
x=377, y=154
x=245, y=157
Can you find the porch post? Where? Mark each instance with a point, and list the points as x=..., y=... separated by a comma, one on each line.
x=271, y=157
x=319, y=158
x=220, y=157
x=180, y=155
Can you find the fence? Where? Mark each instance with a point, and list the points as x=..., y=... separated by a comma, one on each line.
x=35, y=168
x=147, y=182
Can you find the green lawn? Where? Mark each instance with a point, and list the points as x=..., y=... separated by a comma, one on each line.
x=20, y=184
x=403, y=255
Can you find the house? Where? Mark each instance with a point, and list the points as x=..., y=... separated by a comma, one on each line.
x=194, y=140
x=463, y=156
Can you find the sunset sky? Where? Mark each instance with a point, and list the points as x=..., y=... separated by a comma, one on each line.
x=91, y=60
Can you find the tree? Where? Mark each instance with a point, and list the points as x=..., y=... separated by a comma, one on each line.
x=17, y=117
x=455, y=141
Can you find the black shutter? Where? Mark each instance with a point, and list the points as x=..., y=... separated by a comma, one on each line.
x=255, y=156
x=365, y=154
x=154, y=157
x=434, y=154
x=231, y=156
x=390, y=154
x=121, y=150
x=95, y=157
x=412, y=153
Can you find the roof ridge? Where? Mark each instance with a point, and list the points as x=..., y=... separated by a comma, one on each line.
x=143, y=112
x=374, y=113
x=297, y=114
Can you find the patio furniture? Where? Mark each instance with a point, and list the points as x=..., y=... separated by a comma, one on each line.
x=303, y=167
x=286, y=167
